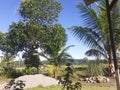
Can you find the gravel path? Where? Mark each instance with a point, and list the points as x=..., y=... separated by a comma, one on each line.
x=35, y=80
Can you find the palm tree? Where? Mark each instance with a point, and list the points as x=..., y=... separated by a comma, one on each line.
x=95, y=33
x=61, y=56
x=57, y=58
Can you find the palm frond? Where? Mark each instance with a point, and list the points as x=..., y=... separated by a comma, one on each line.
x=96, y=53
x=67, y=48
x=87, y=36
x=88, y=17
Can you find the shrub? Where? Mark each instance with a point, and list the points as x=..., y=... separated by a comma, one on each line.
x=45, y=70
x=34, y=70
x=16, y=74
x=10, y=72
x=29, y=71
x=95, y=68
x=66, y=81
x=53, y=70
x=6, y=71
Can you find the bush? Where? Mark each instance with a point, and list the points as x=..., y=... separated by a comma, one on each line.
x=45, y=70
x=16, y=74
x=95, y=68
x=10, y=72
x=7, y=72
x=29, y=71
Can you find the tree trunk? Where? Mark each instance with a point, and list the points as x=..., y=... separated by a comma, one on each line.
x=112, y=69
x=113, y=44
x=111, y=64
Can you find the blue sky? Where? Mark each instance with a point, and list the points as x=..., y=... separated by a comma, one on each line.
x=68, y=17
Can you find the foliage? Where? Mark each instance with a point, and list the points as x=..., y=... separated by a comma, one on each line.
x=31, y=60
x=29, y=71
x=35, y=36
x=95, y=33
x=42, y=11
x=61, y=56
x=52, y=69
x=95, y=68
x=7, y=72
x=67, y=82
x=10, y=72
x=15, y=85
x=37, y=30
x=53, y=40
x=5, y=43
x=91, y=34
x=85, y=60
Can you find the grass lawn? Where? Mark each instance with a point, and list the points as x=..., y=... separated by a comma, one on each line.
x=83, y=88
x=46, y=88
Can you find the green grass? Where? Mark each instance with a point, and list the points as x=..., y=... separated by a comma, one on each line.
x=83, y=88
x=46, y=88
x=97, y=88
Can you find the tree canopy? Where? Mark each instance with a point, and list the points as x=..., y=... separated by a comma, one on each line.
x=43, y=11
x=37, y=30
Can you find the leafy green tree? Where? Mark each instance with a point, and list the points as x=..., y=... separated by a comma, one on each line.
x=6, y=49
x=43, y=11
x=50, y=39
x=53, y=42
x=4, y=43
x=32, y=60
x=24, y=36
x=38, y=30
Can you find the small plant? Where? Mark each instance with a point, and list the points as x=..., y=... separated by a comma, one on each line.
x=67, y=83
x=53, y=70
x=15, y=85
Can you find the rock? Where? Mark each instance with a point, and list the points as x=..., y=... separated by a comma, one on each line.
x=107, y=80
x=97, y=79
x=86, y=79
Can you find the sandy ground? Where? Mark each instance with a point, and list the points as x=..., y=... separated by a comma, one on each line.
x=39, y=79
x=34, y=80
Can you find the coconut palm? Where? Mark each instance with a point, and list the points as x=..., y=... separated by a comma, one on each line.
x=61, y=56
x=95, y=34
x=57, y=58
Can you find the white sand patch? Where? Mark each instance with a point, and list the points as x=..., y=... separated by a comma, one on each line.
x=38, y=79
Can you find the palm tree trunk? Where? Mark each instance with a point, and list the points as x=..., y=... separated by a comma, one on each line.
x=113, y=45
x=111, y=64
